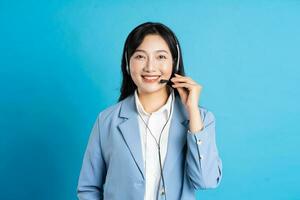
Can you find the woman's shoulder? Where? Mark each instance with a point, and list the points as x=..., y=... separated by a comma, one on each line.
x=111, y=110
x=206, y=114
x=203, y=110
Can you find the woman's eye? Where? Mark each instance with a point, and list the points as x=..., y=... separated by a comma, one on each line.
x=139, y=56
x=162, y=57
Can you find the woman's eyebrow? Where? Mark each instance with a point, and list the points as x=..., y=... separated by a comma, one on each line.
x=137, y=50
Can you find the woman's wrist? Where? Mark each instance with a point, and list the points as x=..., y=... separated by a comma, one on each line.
x=196, y=123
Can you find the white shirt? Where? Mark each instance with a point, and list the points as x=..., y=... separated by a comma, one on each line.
x=155, y=122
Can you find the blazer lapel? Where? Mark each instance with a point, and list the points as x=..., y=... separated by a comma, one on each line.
x=177, y=136
x=131, y=134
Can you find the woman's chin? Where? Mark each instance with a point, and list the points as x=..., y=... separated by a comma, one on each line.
x=150, y=89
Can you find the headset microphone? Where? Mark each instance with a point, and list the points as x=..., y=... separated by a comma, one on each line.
x=164, y=81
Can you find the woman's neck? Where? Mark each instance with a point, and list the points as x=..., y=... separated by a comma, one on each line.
x=151, y=102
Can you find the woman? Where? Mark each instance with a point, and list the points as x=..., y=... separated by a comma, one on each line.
x=156, y=142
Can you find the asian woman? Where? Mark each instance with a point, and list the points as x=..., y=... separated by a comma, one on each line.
x=156, y=142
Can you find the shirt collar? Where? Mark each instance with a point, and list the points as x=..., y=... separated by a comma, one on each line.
x=166, y=107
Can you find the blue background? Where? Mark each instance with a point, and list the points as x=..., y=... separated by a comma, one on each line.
x=60, y=66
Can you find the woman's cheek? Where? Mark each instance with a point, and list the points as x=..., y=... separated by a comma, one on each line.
x=166, y=69
x=135, y=75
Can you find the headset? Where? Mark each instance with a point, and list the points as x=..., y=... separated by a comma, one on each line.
x=162, y=81
x=176, y=67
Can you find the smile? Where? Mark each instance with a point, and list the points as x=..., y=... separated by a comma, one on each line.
x=150, y=79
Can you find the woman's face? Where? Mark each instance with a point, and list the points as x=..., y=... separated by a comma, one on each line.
x=151, y=62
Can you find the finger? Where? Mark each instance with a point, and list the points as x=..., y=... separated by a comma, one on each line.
x=178, y=76
x=183, y=79
x=184, y=85
x=182, y=92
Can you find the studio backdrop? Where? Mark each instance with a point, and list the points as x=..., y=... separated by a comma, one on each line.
x=60, y=66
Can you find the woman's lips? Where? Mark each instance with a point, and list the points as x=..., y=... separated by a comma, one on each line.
x=150, y=79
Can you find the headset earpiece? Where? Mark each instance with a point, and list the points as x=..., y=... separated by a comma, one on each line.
x=127, y=66
x=178, y=59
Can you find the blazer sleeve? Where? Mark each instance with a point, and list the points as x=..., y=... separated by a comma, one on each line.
x=93, y=170
x=203, y=164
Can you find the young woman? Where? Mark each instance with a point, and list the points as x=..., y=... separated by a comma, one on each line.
x=156, y=142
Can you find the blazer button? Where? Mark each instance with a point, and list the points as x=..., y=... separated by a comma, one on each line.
x=162, y=191
x=199, y=142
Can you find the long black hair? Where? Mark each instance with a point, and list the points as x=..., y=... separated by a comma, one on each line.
x=134, y=39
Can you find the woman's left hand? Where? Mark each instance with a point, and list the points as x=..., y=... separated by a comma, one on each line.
x=188, y=90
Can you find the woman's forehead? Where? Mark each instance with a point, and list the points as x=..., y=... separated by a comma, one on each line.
x=153, y=43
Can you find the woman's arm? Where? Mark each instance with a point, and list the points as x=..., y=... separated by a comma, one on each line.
x=203, y=164
x=93, y=171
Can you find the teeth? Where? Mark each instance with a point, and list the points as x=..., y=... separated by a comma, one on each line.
x=150, y=77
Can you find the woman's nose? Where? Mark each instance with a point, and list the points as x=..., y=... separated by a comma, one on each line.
x=150, y=65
